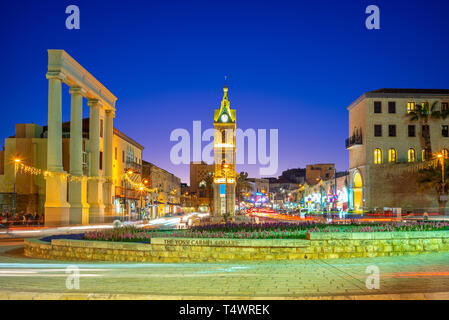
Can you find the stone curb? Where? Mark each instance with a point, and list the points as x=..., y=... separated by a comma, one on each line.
x=17, y=295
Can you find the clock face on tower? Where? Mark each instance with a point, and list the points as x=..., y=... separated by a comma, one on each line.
x=224, y=117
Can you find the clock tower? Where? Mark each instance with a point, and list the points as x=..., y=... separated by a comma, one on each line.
x=224, y=158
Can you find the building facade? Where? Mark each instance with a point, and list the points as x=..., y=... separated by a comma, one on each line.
x=259, y=194
x=317, y=172
x=29, y=145
x=201, y=189
x=385, y=142
x=166, y=199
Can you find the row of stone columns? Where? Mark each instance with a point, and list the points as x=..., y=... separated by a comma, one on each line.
x=88, y=196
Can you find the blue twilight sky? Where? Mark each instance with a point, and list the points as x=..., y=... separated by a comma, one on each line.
x=292, y=65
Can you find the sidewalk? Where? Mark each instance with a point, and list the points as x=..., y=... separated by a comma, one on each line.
x=11, y=295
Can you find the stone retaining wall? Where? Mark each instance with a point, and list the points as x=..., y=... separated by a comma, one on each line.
x=318, y=246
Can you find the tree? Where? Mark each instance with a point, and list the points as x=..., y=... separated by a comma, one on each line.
x=431, y=179
x=423, y=113
x=209, y=179
x=241, y=185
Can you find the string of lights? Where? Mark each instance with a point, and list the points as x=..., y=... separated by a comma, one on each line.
x=26, y=169
x=138, y=186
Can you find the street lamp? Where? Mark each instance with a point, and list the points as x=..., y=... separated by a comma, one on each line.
x=129, y=172
x=442, y=157
x=140, y=204
x=14, y=199
x=443, y=197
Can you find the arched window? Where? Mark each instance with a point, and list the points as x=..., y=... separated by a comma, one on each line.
x=411, y=155
x=378, y=156
x=392, y=155
x=424, y=155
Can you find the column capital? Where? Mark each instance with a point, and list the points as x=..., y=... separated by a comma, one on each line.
x=94, y=103
x=55, y=75
x=77, y=90
x=110, y=113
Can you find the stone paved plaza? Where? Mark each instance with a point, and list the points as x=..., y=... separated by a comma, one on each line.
x=403, y=275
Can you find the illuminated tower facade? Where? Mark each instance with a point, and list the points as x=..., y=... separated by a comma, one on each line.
x=224, y=158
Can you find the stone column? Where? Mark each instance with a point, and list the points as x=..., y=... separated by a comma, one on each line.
x=79, y=209
x=107, y=163
x=95, y=185
x=56, y=205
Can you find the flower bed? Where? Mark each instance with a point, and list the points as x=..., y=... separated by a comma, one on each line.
x=258, y=231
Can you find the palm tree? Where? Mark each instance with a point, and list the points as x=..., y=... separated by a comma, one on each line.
x=423, y=113
x=431, y=179
x=241, y=185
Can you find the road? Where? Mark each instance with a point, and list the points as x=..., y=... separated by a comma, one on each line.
x=400, y=277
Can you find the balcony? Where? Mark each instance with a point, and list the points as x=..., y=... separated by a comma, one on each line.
x=134, y=166
x=354, y=141
x=130, y=193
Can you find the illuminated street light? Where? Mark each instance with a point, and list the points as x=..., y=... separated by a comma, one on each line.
x=16, y=161
x=442, y=157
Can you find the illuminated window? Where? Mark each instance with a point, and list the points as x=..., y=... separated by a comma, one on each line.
x=378, y=156
x=424, y=155
x=411, y=155
x=445, y=153
x=411, y=106
x=392, y=155
x=444, y=106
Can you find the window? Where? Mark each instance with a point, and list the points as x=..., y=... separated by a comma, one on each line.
x=391, y=107
x=392, y=130
x=425, y=131
x=411, y=155
x=378, y=156
x=425, y=155
x=445, y=131
x=123, y=156
x=444, y=106
x=101, y=160
x=377, y=107
x=101, y=128
x=411, y=106
x=411, y=131
x=223, y=136
x=392, y=155
x=378, y=130
x=115, y=153
x=445, y=153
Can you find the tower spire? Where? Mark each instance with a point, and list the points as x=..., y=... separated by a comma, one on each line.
x=225, y=89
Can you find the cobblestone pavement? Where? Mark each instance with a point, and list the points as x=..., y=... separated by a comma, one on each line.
x=271, y=279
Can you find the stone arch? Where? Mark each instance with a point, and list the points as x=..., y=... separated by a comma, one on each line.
x=357, y=191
